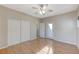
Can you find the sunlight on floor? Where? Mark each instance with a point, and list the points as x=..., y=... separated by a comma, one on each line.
x=46, y=50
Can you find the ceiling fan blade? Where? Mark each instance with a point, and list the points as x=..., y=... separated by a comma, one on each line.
x=34, y=7
x=50, y=10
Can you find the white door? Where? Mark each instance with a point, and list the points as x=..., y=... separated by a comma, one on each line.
x=13, y=31
x=42, y=30
x=49, y=31
x=33, y=31
x=25, y=30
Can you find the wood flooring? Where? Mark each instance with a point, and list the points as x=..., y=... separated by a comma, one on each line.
x=41, y=46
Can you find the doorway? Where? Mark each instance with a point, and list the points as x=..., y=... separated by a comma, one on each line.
x=49, y=31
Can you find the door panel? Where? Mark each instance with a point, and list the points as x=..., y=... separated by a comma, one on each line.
x=33, y=31
x=13, y=32
x=25, y=30
x=42, y=30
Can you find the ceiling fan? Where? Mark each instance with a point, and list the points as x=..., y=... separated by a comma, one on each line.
x=42, y=9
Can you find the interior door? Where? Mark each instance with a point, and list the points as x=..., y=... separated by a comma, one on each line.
x=42, y=30
x=13, y=32
x=49, y=30
x=25, y=30
x=33, y=31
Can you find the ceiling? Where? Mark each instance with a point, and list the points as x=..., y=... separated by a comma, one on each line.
x=57, y=9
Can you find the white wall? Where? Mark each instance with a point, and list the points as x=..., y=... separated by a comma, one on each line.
x=7, y=14
x=64, y=27
x=78, y=28
x=3, y=32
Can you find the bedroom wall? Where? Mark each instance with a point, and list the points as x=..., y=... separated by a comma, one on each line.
x=78, y=27
x=7, y=14
x=64, y=27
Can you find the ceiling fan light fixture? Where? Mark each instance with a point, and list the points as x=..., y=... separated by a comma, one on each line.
x=44, y=7
x=42, y=10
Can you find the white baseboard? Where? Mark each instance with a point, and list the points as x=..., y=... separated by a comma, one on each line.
x=66, y=42
x=63, y=41
x=33, y=39
x=78, y=47
x=3, y=47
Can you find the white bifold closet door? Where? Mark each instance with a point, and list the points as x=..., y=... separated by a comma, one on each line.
x=33, y=31
x=20, y=31
x=25, y=30
x=42, y=30
x=13, y=32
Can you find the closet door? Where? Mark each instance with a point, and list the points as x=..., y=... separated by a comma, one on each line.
x=13, y=32
x=33, y=31
x=42, y=30
x=25, y=30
